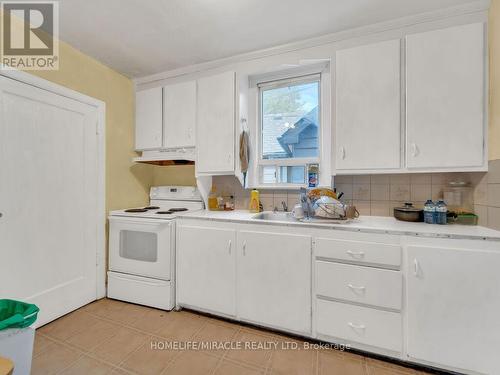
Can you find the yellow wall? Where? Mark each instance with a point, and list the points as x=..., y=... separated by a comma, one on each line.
x=127, y=184
x=494, y=112
x=174, y=175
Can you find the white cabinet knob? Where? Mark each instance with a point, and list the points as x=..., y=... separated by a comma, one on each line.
x=356, y=326
x=244, y=248
x=229, y=245
x=356, y=255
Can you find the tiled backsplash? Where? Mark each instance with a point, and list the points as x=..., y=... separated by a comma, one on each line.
x=377, y=195
x=487, y=197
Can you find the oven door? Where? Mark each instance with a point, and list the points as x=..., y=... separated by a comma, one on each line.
x=141, y=246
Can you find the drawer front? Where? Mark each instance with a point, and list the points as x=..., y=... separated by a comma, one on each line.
x=370, y=286
x=141, y=290
x=360, y=252
x=356, y=324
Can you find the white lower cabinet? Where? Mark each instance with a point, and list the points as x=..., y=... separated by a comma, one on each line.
x=454, y=307
x=206, y=272
x=274, y=280
x=440, y=307
x=356, y=324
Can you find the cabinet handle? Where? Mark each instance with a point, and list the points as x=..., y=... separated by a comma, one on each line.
x=355, y=326
x=342, y=152
x=354, y=254
x=244, y=248
x=416, y=267
x=414, y=150
x=355, y=288
x=229, y=245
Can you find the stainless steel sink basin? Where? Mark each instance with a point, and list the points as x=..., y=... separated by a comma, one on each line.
x=275, y=216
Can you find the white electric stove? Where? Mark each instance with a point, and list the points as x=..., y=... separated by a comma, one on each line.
x=142, y=247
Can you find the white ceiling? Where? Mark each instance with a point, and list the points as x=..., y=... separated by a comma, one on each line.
x=143, y=37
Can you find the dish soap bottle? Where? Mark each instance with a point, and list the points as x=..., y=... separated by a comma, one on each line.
x=213, y=205
x=254, y=201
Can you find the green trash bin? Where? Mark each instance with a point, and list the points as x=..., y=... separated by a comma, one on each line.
x=16, y=335
x=16, y=314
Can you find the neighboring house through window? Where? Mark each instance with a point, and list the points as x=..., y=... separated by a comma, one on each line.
x=289, y=129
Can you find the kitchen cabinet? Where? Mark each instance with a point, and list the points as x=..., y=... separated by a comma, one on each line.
x=445, y=98
x=149, y=119
x=215, y=124
x=368, y=107
x=206, y=272
x=179, y=114
x=453, y=300
x=274, y=279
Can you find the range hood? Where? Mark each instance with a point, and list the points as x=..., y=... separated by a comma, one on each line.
x=178, y=156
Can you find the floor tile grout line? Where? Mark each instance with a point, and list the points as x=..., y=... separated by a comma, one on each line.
x=83, y=353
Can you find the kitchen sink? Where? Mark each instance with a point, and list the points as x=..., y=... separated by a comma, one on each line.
x=275, y=216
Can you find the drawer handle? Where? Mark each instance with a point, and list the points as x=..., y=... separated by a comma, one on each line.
x=229, y=246
x=356, y=288
x=357, y=255
x=356, y=326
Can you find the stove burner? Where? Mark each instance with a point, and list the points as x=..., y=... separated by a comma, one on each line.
x=151, y=208
x=164, y=212
x=178, y=209
x=136, y=210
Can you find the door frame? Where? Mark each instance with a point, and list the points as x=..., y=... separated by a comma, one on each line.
x=100, y=106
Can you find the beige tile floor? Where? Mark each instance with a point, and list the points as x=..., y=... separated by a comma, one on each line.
x=112, y=337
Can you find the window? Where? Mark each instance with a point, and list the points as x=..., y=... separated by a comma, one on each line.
x=289, y=129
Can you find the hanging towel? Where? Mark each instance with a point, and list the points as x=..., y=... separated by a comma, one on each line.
x=244, y=154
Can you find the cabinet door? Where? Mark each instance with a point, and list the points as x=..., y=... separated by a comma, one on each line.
x=445, y=97
x=148, y=119
x=453, y=306
x=368, y=110
x=179, y=114
x=206, y=268
x=274, y=280
x=215, y=124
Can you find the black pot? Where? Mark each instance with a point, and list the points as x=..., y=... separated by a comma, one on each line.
x=409, y=213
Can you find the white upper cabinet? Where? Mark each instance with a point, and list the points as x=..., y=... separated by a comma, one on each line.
x=215, y=124
x=148, y=119
x=445, y=98
x=179, y=115
x=368, y=107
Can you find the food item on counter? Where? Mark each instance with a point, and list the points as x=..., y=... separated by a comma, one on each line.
x=254, y=201
x=213, y=205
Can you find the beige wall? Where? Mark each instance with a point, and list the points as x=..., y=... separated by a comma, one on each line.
x=127, y=184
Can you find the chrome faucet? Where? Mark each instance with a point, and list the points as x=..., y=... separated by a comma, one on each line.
x=284, y=205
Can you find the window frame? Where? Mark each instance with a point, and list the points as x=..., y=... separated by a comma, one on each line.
x=286, y=162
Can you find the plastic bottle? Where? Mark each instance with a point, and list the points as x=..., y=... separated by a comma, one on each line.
x=430, y=212
x=254, y=201
x=441, y=210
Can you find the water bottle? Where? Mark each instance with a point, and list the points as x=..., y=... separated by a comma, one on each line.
x=429, y=212
x=441, y=210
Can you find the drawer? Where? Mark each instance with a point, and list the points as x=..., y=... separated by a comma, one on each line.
x=140, y=290
x=356, y=324
x=360, y=252
x=370, y=286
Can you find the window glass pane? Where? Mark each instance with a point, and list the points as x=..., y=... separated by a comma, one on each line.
x=292, y=175
x=269, y=174
x=137, y=245
x=290, y=122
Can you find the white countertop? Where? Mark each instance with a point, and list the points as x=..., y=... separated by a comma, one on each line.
x=363, y=224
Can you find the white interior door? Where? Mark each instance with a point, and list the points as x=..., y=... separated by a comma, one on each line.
x=48, y=199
